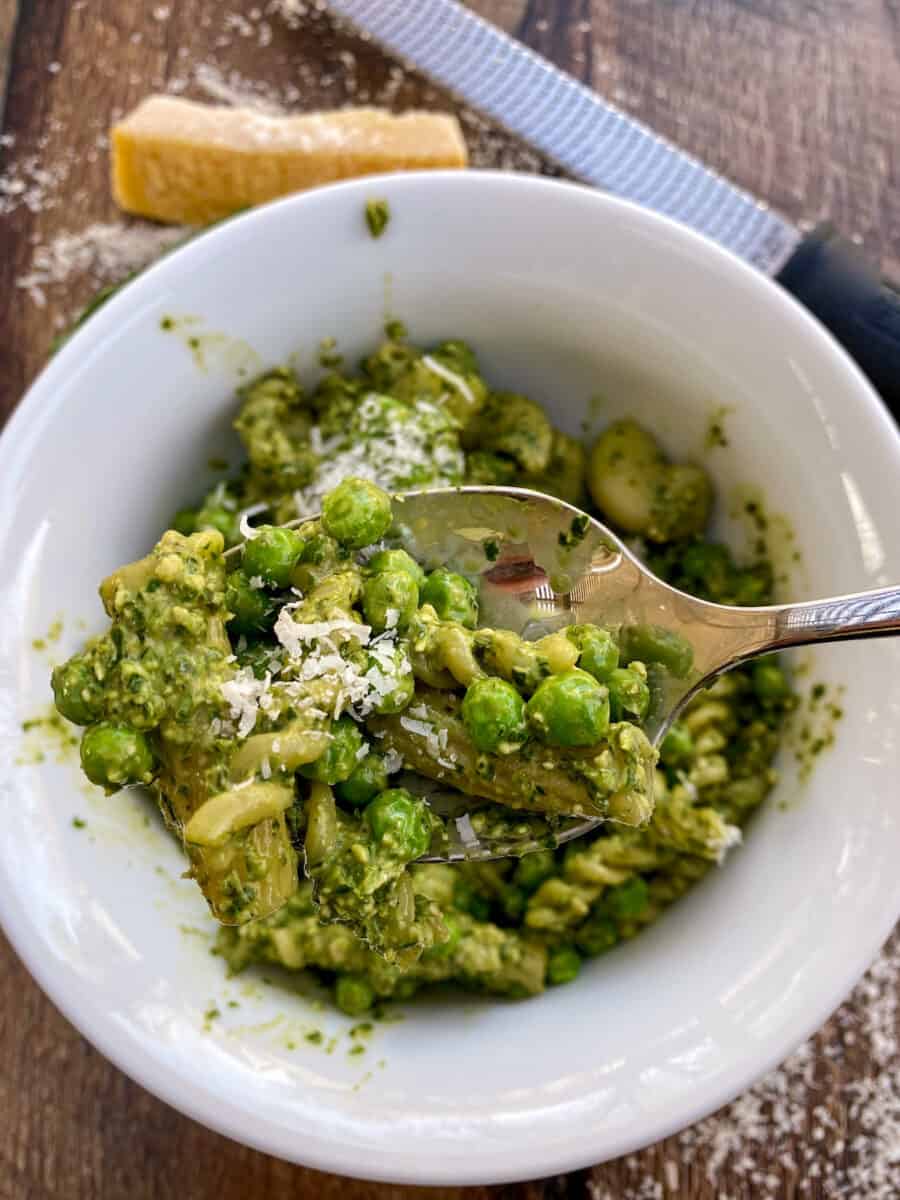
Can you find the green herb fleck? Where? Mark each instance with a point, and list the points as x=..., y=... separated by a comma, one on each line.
x=315, y=1037
x=395, y=330
x=575, y=533
x=78, y=823
x=491, y=549
x=377, y=216
x=167, y=324
x=357, y=1049
x=211, y=1014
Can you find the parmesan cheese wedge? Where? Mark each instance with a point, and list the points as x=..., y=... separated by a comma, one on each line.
x=180, y=161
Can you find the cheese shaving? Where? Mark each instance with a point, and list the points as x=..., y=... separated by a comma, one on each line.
x=243, y=694
x=448, y=376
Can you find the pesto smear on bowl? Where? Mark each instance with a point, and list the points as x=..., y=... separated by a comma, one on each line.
x=286, y=703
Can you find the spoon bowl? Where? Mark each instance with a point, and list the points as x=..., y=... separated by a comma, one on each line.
x=540, y=564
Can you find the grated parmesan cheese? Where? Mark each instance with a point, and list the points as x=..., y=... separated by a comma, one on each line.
x=295, y=636
x=105, y=253
x=243, y=694
x=393, y=761
x=448, y=376
x=387, y=444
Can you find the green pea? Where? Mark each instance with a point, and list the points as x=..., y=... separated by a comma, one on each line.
x=390, y=600
x=353, y=994
x=396, y=560
x=569, y=709
x=677, y=746
x=598, y=934
x=356, y=513
x=563, y=965
x=76, y=692
x=115, y=755
x=271, y=555
x=397, y=818
x=252, y=610
x=340, y=759
x=654, y=643
x=599, y=654
x=628, y=693
x=452, y=597
x=468, y=900
x=493, y=713
x=363, y=784
x=770, y=682
x=185, y=521
x=533, y=869
x=627, y=900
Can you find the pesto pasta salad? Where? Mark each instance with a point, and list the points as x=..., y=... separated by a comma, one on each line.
x=294, y=704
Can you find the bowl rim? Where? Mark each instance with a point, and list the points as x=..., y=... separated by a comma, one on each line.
x=196, y=1100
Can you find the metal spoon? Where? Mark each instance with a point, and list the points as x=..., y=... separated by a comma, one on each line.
x=541, y=564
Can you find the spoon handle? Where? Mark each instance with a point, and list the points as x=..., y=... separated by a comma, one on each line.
x=861, y=615
x=731, y=636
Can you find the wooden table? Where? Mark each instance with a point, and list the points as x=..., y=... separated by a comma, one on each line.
x=798, y=100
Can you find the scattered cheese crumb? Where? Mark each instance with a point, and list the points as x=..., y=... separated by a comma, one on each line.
x=105, y=253
x=393, y=761
x=450, y=377
x=243, y=694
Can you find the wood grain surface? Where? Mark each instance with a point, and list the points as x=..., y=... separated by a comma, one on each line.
x=798, y=100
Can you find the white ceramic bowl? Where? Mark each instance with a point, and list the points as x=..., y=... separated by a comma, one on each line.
x=566, y=295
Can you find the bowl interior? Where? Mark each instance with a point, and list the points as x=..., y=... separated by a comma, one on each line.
x=596, y=309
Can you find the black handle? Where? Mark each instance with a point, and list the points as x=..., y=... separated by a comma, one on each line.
x=833, y=280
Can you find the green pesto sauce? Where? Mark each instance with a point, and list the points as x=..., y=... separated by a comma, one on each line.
x=212, y=349
x=53, y=634
x=716, y=436
x=770, y=536
x=298, y=871
x=814, y=727
x=44, y=736
x=378, y=214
